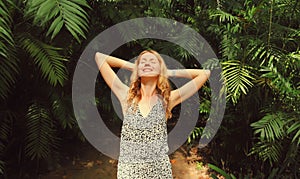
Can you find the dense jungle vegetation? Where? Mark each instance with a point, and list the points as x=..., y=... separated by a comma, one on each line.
x=257, y=43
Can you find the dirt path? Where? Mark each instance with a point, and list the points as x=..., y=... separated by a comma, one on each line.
x=91, y=164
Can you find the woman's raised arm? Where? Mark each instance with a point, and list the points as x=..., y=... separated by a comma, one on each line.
x=104, y=63
x=199, y=77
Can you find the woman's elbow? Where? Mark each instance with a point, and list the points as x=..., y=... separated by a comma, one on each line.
x=206, y=73
x=99, y=58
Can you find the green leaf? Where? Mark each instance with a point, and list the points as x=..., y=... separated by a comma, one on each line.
x=295, y=129
x=237, y=79
x=68, y=13
x=47, y=58
x=8, y=61
x=60, y=108
x=222, y=172
x=270, y=127
x=41, y=137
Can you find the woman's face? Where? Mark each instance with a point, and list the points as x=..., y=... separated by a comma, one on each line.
x=148, y=66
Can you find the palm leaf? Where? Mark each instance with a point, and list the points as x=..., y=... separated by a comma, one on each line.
x=223, y=16
x=68, y=13
x=6, y=122
x=270, y=127
x=277, y=81
x=222, y=172
x=195, y=134
x=271, y=131
x=47, y=58
x=60, y=109
x=7, y=118
x=270, y=151
x=229, y=51
x=41, y=137
x=237, y=78
x=2, y=166
x=8, y=63
x=295, y=130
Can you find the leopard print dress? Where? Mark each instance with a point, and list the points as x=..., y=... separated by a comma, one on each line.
x=143, y=146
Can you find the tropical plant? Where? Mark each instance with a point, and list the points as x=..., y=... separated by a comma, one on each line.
x=220, y=171
x=257, y=43
x=28, y=47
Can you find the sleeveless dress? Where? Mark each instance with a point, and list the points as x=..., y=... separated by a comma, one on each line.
x=143, y=145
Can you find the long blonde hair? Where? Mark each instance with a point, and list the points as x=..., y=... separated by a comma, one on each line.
x=162, y=87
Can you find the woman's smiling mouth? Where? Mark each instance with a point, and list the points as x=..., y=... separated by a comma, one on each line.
x=147, y=69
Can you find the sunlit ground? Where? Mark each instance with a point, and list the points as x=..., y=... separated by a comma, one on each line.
x=90, y=163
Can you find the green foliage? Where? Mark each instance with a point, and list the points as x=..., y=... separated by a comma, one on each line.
x=222, y=16
x=199, y=165
x=195, y=134
x=47, y=58
x=7, y=118
x=257, y=43
x=8, y=62
x=204, y=107
x=41, y=139
x=222, y=172
x=2, y=167
x=237, y=79
x=6, y=35
x=271, y=131
x=277, y=81
x=294, y=130
x=270, y=127
x=68, y=13
x=60, y=109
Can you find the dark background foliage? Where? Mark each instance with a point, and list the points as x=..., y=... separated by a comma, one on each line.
x=257, y=43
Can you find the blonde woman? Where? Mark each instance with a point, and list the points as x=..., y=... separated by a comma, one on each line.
x=147, y=105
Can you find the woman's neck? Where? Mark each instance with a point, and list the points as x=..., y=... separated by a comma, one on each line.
x=148, y=86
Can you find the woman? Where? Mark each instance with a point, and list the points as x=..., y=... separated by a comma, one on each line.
x=146, y=105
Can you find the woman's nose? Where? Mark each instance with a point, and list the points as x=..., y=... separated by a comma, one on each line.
x=147, y=64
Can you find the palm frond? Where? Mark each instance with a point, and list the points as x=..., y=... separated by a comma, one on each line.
x=204, y=107
x=267, y=151
x=47, y=58
x=68, y=13
x=41, y=137
x=7, y=118
x=8, y=64
x=270, y=127
x=60, y=109
x=230, y=47
x=271, y=131
x=197, y=132
x=277, y=81
x=238, y=79
x=223, y=16
x=6, y=124
x=294, y=130
x=2, y=166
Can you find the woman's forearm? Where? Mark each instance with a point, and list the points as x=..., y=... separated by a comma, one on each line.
x=113, y=61
x=188, y=73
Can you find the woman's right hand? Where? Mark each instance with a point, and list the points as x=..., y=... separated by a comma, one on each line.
x=113, y=61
